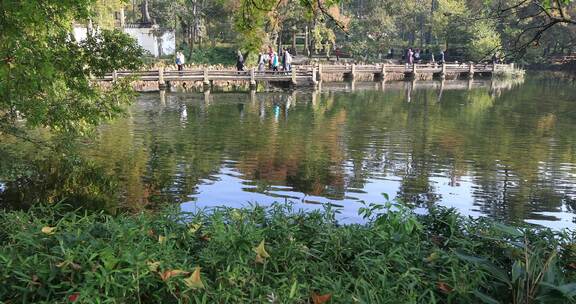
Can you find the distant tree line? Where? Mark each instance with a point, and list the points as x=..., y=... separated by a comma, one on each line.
x=473, y=30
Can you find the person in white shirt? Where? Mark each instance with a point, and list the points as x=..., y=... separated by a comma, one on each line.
x=180, y=59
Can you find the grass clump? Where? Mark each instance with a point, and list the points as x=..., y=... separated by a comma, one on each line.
x=279, y=255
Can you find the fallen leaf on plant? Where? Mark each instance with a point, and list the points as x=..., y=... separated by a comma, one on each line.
x=261, y=253
x=194, y=281
x=259, y=259
x=433, y=257
x=320, y=299
x=161, y=239
x=151, y=233
x=73, y=297
x=72, y=265
x=194, y=227
x=48, y=230
x=172, y=273
x=153, y=266
x=572, y=265
x=205, y=237
x=444, y=287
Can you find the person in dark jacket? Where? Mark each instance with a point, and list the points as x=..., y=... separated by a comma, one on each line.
x=240, y=61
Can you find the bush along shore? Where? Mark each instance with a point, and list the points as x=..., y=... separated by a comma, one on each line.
x=280, y=255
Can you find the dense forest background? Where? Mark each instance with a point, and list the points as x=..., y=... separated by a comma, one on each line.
x=532, y=31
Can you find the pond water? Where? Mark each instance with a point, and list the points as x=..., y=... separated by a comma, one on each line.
x=506, y=150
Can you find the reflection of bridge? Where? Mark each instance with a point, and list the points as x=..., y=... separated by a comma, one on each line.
x=310, y=75
x=445, y=85
x=493, y=87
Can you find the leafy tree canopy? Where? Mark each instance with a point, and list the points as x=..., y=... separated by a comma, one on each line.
x=45, y=73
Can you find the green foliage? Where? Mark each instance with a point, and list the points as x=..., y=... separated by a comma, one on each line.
x=212, y=56
x=102, y=12
x=254, y=254
x=45, y=74
x=485, y=41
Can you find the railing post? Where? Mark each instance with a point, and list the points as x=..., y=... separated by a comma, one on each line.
x=471, y=70
x=161, y=83
x=293, y=71
x=314, y=81
x=414, y=69
x=252, y=79
x=443, y=71
x=353, y=72
x=206, y=80
x=114, y=75
x=320, y=72
x=383, y=71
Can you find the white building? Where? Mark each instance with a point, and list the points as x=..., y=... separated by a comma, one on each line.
x=158, y=43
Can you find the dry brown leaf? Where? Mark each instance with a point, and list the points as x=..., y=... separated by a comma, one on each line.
x=166, y=275
x=320, y=299
x=194, y=281
x=445, y=288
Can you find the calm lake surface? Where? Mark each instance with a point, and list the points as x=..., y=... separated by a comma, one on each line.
x=503, y=150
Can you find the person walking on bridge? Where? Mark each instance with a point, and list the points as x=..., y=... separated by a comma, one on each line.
x=495, y=59
x=441, y=58
x=261, y=61
x=180, y=60
x=410, y=56
x=274, y=61
x=286, y=60
x=240, y=61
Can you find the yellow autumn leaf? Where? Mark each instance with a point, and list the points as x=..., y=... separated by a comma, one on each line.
x=48, y=230
x=261, y=253
x=261, y=250
x=172, y=273
x=153, y=266
x=194, y=227
x=194, y=281
x=161, y=239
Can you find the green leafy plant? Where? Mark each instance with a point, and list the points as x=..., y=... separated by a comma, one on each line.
x=278, y=254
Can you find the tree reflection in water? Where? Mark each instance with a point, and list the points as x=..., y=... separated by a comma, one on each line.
x=510, y=146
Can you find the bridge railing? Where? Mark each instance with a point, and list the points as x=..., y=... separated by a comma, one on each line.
x=304, y=71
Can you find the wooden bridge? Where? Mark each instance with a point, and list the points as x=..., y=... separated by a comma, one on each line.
x=308, y=75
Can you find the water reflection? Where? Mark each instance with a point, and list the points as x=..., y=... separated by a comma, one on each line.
x=502, y=149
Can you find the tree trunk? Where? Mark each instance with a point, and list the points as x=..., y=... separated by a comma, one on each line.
x=145, y=13
x=306, y=42
x=294, y=43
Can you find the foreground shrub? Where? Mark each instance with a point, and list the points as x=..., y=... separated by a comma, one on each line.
x=279, y=255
